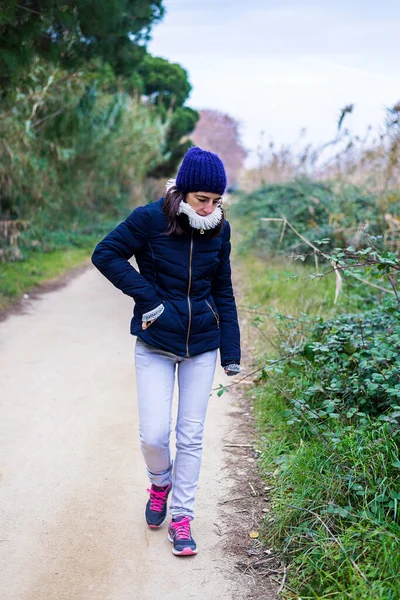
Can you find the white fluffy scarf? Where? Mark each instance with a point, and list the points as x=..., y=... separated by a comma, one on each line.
x=196, y=221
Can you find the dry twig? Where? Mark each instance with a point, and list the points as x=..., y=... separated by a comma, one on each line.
x=339, y=281
x=252, y=489
x=282, y=585
x=238, y=445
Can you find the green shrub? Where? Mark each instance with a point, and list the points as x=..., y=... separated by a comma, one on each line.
x=69, y=147
x=349, y=365
x=318, y=210
x=328, y=417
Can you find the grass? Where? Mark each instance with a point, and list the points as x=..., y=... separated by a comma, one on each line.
x=343, y=528
x=51, y=252
x=17, y=278
x=277, y=285
x=335, y=503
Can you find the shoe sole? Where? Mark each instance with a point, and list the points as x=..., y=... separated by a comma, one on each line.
x=185, y=552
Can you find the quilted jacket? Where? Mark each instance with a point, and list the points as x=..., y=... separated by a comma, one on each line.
x=189, y=274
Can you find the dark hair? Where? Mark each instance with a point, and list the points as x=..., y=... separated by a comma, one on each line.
x=172, y=200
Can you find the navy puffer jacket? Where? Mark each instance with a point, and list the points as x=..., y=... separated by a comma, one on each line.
x=190, y=274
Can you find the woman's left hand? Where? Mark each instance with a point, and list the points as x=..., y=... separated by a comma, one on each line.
x=146, y=324
x=232, y=370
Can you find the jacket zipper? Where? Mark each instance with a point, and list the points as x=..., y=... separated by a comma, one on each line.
x=214, y=313
x=154, y=265
x=188, y=296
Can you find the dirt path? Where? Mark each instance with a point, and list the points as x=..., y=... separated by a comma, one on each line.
x=71, y=472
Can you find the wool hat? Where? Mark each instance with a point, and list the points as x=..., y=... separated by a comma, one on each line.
x=201, y=171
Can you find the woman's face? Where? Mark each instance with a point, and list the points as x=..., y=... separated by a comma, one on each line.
x=204, y=203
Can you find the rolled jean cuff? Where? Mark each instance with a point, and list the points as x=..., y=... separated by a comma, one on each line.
x=161, y=479
x=153, y=314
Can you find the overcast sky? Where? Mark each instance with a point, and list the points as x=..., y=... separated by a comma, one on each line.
x=280, y=66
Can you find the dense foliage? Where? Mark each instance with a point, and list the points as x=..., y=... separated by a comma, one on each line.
x=329, y=408
x=352, y=363
x=72, y=33
x=86, y=114
x=337, y=407
x=69, y=146
x=318, y=210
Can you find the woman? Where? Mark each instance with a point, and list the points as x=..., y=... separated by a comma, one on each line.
x=184, y=312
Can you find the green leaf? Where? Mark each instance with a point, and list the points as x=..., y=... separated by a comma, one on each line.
x=221, y=390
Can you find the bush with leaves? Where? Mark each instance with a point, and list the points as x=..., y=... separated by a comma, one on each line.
x=67, y=145
x=328, y=411
x=86, y=113
x=318, y=210
x=349, y=367
x=334, y=407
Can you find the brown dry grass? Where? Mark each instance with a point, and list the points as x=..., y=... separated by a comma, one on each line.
x=371, y=161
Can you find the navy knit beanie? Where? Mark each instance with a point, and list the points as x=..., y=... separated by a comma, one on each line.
x=201, y=171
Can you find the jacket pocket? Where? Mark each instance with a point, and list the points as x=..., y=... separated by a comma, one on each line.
x=159, y=316
x=216, y=315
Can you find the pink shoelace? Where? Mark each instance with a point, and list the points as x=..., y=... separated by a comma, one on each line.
x=182, y=529
x=157, y=499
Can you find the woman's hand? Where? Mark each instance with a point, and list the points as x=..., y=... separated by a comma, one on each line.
x=232, y=369
x=146, y=324
x=155, y=313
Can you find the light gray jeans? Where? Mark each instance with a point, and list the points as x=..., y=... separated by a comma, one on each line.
x=155, y=375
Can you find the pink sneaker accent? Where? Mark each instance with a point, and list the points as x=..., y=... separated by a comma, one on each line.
x=180, y=536
x=182, y=529
x=157, y=499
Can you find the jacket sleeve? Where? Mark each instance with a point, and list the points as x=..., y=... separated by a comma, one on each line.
x=224, y=299
x=111, y=256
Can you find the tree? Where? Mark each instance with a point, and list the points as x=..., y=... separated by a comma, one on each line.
x=164, y=82
x=219, y=133
x=182, y=123
x=71, y=33
x=102, y=44
x=167, y=86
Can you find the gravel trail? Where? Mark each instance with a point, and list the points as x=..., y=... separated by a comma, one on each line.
x=73, y=484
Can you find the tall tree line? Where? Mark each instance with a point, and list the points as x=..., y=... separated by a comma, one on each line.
x=76, y=79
